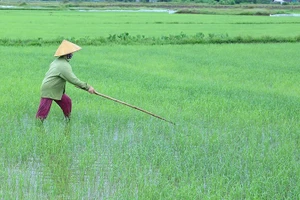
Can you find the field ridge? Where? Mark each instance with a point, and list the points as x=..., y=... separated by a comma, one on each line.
x=127, y=39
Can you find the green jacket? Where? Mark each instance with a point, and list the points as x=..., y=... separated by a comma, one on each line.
x=54, y=83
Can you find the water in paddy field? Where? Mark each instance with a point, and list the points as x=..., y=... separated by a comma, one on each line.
x=38, y=165
x=142, y=11
x=59, y=160
x=285, y=15
x=90, y=10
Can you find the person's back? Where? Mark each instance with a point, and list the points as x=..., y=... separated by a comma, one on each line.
x=53, y=84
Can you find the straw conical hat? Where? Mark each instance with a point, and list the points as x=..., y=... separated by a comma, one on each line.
x=66, y=47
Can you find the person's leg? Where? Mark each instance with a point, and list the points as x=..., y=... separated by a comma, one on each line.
x=44, y=108
x=66, y=105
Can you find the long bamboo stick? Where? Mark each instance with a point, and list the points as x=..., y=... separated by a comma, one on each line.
x=131, y=106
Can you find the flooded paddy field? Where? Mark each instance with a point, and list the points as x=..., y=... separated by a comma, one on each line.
x=235, y=107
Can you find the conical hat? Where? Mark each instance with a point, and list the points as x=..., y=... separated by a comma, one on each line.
x=66, y=47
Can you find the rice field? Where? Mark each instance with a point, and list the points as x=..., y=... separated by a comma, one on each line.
x=33, y=24
x=236, y=109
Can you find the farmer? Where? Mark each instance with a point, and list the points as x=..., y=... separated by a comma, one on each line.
x=54, y=84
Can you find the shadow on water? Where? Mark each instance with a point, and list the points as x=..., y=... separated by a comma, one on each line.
x=55, y=156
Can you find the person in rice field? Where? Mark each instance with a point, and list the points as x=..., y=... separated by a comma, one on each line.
x=54, y=83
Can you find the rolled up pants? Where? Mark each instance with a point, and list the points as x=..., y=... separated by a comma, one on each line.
x=45, y=104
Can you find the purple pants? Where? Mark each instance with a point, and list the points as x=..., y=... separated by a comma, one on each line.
x=65, y=104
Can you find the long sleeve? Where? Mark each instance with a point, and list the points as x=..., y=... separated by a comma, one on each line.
x=68, y=75
x=54, y=83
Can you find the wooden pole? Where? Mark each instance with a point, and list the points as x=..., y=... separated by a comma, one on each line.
x=131, y=106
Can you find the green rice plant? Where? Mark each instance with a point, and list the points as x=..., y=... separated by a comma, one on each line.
x=236, y=134
x=47, y=26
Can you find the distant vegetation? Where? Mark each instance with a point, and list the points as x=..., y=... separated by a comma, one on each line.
x=215, y=7
x=180, y=5
x=126, y=39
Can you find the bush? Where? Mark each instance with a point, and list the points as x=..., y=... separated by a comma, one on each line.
x=227, y=2
x=127, y=39
x=23, y=4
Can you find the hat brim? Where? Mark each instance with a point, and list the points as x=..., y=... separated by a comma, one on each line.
x=65, y=48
